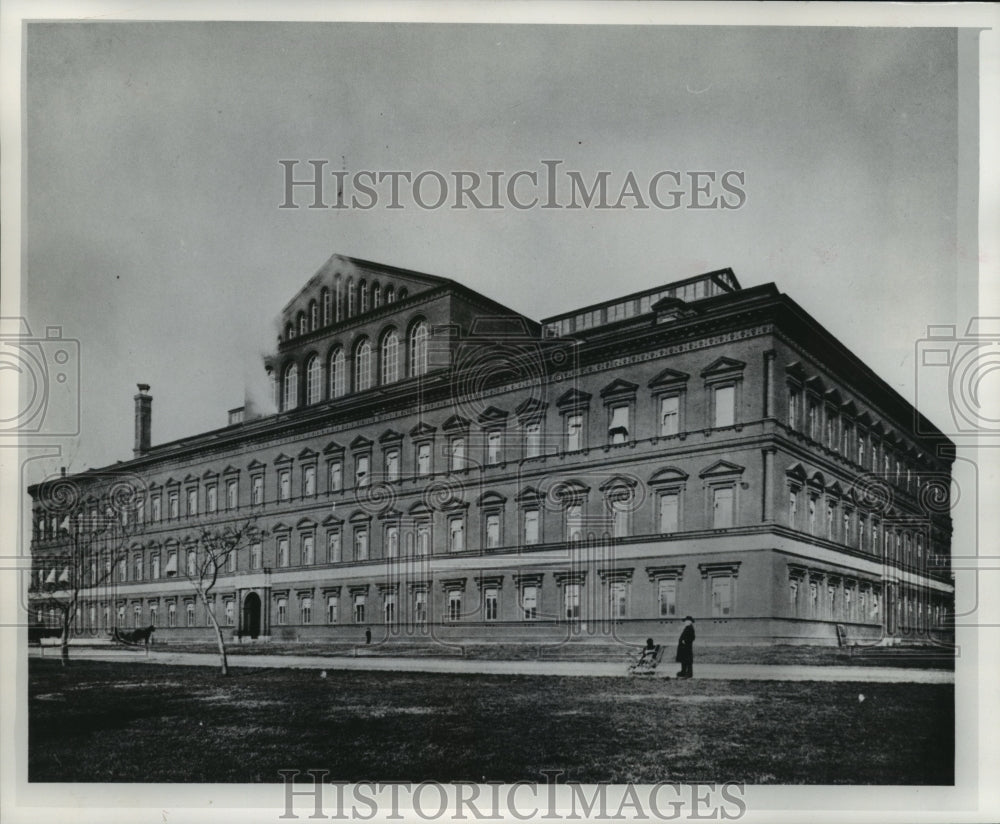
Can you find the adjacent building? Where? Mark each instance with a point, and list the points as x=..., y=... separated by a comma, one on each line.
x=441, y=467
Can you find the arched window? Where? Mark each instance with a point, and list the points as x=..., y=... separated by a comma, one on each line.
x=351, y=298
x=364, y=296
x=418, y=349
x=390, y=357
x=338, y=286
x=338, y=374
x=290, y=387
x=324, y=297
x=302, y=323
x=390, y=294
x=402, y=294
x=363, y=366
x=376, y=296
x=289, y=331
x=313, y=315
x=314, y=380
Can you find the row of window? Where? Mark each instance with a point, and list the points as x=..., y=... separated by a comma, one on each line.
x=825, y=419
x=366, y=365
x=827, y=514
x=720, y=590
x=345, y=300
x=820, y=595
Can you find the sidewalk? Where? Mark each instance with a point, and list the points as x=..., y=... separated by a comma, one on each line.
x=749, y=672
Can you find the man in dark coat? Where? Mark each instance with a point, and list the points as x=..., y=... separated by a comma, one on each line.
x=685, y=649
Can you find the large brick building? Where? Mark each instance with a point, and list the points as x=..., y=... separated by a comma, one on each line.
x=442, y=466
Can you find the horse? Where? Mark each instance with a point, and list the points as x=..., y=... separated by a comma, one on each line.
x=135, y=637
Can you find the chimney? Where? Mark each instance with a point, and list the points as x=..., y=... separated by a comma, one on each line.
x=143, y=420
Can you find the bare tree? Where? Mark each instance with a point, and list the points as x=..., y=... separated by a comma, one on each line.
x=82, y=557
x=217, y=544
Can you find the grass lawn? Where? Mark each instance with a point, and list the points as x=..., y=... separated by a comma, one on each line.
x=96, y=721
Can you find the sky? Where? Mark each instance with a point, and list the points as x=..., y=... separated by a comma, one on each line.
x=154, y=237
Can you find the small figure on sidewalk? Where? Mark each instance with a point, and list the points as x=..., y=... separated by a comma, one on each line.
x=368, y=635
x=648, y=652
x=685, y=649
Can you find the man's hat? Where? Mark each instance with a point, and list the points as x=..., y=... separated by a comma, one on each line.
x=689, y=618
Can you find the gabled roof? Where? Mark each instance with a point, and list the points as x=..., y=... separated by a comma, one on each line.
x=668, y=377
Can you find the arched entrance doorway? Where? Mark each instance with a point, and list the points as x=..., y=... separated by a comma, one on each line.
x=251, y=615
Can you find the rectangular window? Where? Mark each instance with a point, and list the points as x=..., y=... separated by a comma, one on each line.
x=491, y=603
x=571, y=601
x=192, y=502
x=619, y=520
x=282, y=552
x=333, y=547
x=230, y=613
x=457, y=452
x=284, y=485
x=361, y=471
x=123, y=570
x=154, y=564
x=171, y=615
x=308, y=550
x=332, y=609
x=232, y=494
x=423, y=539
x=793, y=508
x=669, y=512
x=725, y=406
x=492, y=530
x=493, y=442
x=420, y=606
x=309, y=481
x=532, y=440
x=793, y=407
x=392, y=541
x=154, y=615
x=306, y=610
x=231, y=560
x=335, y=476
x=666, y=594
x=189, y=612
x=531, y=526
x=529, y=602
x=574, y=522
x=456, y=533
x=618, y=426
x=257, y=490
x=211, y=498
x=670, y=415
x=155, y=509
x=722, y=507
x=812, y=515
x=574, y=432
x=172, y=505
x=454, y=605
x=136, y=617
x=282, y=611
x=618, y=599
x=793, y=597
x=256, y=555
x=424, y=459
x=360, y=602
x=722, y=597
x=137, y=568
x=389, y=608
x=392, y=465
x=361, y=544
